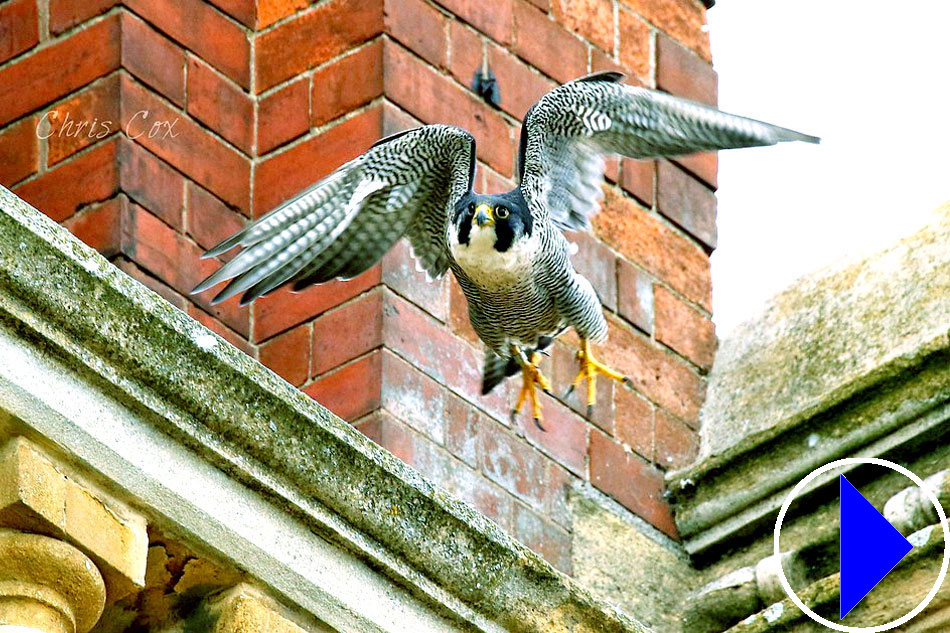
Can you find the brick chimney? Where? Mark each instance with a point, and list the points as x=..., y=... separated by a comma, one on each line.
x=154, y=128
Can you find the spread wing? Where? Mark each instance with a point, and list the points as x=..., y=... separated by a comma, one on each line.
x=566, y=135
x=406, y=184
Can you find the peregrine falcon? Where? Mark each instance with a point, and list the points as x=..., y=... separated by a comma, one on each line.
x=506, y=250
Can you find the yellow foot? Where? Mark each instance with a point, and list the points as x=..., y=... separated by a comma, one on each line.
x=590, y=367
x=531, y=379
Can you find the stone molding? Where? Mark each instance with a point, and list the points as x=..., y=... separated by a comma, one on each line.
x=175, y=376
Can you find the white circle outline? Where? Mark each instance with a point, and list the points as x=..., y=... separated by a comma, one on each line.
x=847, y=461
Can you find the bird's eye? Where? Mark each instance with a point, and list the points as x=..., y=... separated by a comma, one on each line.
x=471, y=207
x=501, y=212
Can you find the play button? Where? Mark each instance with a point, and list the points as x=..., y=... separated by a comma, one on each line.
x=870, y=547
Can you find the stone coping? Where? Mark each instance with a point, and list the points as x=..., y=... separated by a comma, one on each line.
x=851, y=357
x=246, y=421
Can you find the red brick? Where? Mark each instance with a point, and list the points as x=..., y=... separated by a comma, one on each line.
x=550, y=541
x=432, y=348
x=494, y=19
x=520, y=85
x=315, y=37
x=192, y=150
x=687, y=202
x=83, y=119
x=348, y=331
x=402, y=273
x=88, y=177
x=684, y=329
x=209, y=219
x=677, y=445
x=283, y=115
x=458, y=312
x=597, y=263
x=464, y=425
x=682, y=19
x=153, y=58
x=435, y=99
x=418, y=26
x=490, y=181
x=99, y=226
x=220, y=105
x=153, y=284
x=631, y=481
x=591, y=19
x=202, y=29
x=58, y=69
x=151, y=182
x=389, y=433
x=466, y=48
x=244, y=11
x=634, y=423
x=413, y=397
x=347, y=83
x=637, y=177
x=645, y=239
x=704, y=166
x=396, y=119
x=682, y=73
x=220, y=329
x=635, y=295
x=612, y=168
x=284, y=308
x=565, y=434
x=516, y=467
x=19, y=28
x=270, y=11
x=656, y=373
x=351, y=391
x=546, y=45
x=175, y=260
x=635, y=48
x=65, y=14
x=564, y=368
x=289, y=354
x=18, y=151
x=285, y=173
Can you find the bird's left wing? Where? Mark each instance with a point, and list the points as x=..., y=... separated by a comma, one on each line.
x=566, y=135
x=406, y=184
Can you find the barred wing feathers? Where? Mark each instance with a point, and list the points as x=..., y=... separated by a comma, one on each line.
x=406, y=184
x=566, y=135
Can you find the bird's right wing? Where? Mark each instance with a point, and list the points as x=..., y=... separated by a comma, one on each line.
x=406, y=184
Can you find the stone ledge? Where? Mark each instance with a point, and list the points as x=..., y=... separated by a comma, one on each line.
x=243, y=419
x=854, y=357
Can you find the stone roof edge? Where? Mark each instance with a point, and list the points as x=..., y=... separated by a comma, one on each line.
x=245, y=420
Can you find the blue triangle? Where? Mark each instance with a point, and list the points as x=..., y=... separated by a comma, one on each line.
x=870, y=547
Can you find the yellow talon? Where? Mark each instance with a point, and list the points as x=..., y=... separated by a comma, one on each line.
x=589, y=369
x=531, y=378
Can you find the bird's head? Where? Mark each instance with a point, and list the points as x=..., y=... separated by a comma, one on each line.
x=501, y=219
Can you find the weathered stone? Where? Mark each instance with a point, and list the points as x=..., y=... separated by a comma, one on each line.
x=47, y=585
x=36, y=496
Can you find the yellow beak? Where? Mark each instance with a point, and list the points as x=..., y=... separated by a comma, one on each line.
x=484, y=215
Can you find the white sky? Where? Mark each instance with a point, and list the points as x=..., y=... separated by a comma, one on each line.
x=872, y=79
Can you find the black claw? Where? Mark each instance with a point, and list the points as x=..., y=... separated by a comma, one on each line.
x=514, y=414
x=567, y=394
x=628, y=382
x=537, y=423
x=590, y=411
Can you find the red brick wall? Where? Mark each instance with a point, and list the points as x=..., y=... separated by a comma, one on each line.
x=267, y=96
